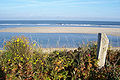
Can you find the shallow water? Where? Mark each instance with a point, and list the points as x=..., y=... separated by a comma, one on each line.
x=53, y=40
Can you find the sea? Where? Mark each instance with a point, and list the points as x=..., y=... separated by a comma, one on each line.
x=58, y=40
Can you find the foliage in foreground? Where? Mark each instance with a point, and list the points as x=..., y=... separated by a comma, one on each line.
x=20, y=60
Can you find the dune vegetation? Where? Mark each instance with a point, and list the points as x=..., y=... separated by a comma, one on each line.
x=22, y=60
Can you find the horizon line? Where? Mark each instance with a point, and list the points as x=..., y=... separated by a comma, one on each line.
x=61, y=20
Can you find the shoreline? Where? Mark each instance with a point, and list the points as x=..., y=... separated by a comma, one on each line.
x=89, y=30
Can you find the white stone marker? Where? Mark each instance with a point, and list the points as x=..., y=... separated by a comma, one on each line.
x=103, y=42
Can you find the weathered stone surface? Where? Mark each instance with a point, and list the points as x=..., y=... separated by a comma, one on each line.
x=103, y=42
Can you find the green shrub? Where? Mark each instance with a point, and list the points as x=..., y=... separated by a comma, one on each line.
x=20, y=60
x=15, y=58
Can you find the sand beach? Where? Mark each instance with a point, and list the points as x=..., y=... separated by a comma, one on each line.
x=89, y=30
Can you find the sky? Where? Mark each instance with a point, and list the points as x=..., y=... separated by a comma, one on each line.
x=106, y=10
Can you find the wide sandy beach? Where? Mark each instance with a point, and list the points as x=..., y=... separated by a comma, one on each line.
x=90, y=30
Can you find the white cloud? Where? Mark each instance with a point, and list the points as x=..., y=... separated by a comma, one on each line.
x=55, y=3
x=69, y=2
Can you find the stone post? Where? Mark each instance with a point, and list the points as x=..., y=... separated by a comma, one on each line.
x=103, y=42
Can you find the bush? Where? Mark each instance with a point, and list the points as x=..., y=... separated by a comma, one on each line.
x=15, y=58
x=20, y=60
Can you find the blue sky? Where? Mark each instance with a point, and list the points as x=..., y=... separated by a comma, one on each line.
x=60, y=9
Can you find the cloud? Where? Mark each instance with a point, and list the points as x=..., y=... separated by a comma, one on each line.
x=69, y=2
x=57, y=3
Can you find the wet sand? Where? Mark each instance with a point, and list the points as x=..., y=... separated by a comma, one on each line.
x=89, y=30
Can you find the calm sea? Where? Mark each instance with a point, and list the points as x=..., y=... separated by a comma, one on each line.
x=54, y=23
x=59, y=39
